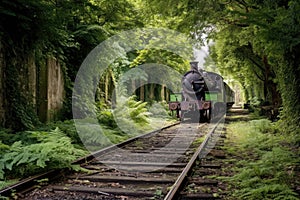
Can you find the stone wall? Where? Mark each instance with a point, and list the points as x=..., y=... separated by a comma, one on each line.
x=41, y=84
x=55, y=91
x=50, y=90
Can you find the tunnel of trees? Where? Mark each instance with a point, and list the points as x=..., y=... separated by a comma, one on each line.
x=253, y=44
x=43, y=43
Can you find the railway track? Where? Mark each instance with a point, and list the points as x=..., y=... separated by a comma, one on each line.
x=153, y=166
x=200, y=182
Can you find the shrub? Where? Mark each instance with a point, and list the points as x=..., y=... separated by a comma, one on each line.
x=131, y=115
x=159, y=110
x=68, y=127
x=266, y=170
x=53, y=151
x=106, y=117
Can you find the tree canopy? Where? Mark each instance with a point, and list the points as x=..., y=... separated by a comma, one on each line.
x=255, y=42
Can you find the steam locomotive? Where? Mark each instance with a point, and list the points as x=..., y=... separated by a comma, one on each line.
x=204, y=96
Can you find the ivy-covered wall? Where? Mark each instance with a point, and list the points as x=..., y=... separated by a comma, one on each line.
x=31, y=89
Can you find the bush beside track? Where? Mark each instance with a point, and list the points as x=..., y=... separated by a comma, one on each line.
x=261, y=162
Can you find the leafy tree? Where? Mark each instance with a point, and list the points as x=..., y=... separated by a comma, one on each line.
x=66, y=30
x=259, y=41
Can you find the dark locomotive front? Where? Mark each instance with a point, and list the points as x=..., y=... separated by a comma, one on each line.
x=202, y=98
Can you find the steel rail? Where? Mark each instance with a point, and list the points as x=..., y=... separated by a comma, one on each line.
x=116, y=146
x=29, y=183
x=180, y=180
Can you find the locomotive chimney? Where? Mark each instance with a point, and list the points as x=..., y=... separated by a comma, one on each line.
x=194, y=65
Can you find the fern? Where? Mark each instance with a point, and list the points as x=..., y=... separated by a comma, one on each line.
x=271, y=192
x=106, y=117
x=3, y=147
x=132, y=116
x=67, y=127
x=53, y=151
x=268, y=176
x=160, y=110
x=4, y=184
x=92, y=137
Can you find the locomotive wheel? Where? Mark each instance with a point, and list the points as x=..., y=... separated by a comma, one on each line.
x=202, y=116
x=208, y=115
x=182, y=115
x=173, y=106
x=205, y=116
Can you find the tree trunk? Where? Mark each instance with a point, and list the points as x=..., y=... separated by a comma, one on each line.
x=2, y=91
x=267, y=76
x=151, y=92
x=270, y=88
x=162, y=93
x=106, y=87
x=142, y=91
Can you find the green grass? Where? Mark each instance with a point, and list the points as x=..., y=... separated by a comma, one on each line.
x=266, y=170
x=6, y=183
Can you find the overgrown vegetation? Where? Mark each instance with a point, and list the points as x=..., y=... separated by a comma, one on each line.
x=57, y=144
x=267, y=166
x=134, y=116
x=255, y=42
x=42, y=151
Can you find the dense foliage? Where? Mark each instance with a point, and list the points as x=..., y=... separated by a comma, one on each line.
x=57, y=144
x=245, y=48
x=43, y=151
x=66, y=30
x=265, y=167
x=255, y=42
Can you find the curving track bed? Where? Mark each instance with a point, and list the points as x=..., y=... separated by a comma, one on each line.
x=152, y=166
